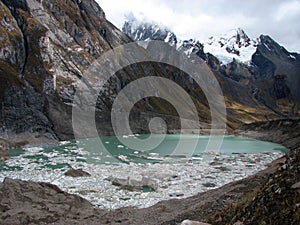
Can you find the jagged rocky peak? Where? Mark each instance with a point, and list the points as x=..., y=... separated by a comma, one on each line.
x=267, y=45
x=139, y=30
x=234, y=44
x=275, y=62
x=273, y=59
x=234, y=36
x=143, y=30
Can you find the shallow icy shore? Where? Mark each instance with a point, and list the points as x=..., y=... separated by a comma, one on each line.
x=174, y=180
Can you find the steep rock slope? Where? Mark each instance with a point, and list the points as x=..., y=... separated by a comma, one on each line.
x=45, y=48
x=281, y=69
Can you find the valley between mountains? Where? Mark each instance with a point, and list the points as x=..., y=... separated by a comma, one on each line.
x=47, y=52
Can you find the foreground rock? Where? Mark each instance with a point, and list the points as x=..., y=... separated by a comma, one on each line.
x=27, y=202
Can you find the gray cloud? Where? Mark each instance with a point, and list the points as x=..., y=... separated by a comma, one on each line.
x=201, y=19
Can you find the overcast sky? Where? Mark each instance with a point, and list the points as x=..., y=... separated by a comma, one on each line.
x=200, y=19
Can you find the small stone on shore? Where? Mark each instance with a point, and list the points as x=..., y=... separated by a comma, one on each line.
x=191, y=222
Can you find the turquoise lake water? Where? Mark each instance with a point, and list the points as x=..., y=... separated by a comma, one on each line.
x=112, y=150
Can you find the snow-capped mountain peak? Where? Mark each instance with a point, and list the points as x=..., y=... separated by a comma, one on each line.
x=147, y=30
x=234, y=44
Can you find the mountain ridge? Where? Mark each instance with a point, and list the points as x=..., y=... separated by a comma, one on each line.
x=229, y=45
x=251, y=62
x=47, y=46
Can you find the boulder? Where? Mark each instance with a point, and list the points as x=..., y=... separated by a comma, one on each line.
x=77, y=173
x=132, y=184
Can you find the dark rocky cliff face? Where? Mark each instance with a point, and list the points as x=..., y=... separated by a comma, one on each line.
x=281, y=69
x=45, y=47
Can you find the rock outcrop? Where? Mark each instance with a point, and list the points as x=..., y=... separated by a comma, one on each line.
x=27, y=202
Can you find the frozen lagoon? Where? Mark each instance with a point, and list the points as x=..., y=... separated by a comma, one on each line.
x=175, y=176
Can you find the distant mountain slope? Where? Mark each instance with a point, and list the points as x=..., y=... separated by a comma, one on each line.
x=268, y=70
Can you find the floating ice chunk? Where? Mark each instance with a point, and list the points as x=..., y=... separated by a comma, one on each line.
x=64, y=142
x=123, y=158
x=34, y=149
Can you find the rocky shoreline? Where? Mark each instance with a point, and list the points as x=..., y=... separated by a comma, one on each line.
x=26, y=202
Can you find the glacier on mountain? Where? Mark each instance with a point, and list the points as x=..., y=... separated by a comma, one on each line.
x=234, y=44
